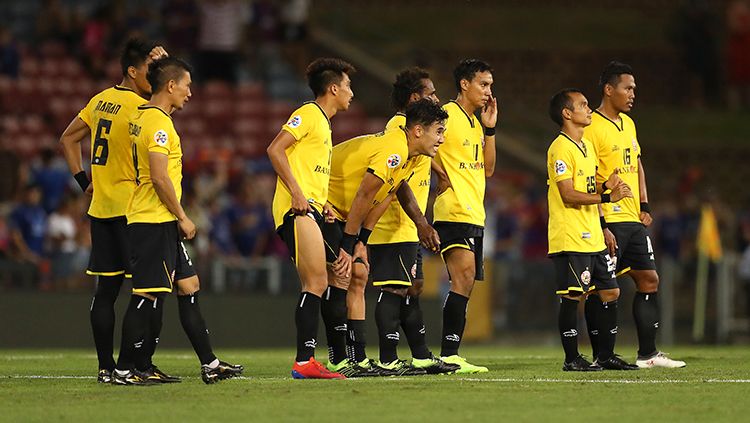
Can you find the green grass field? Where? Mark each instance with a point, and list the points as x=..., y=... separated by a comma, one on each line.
x=524, y=384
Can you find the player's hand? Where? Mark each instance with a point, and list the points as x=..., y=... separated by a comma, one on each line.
x=614, y=180
x=157, y=53
x=360, y=251
x=428, y=237
x=328, y=215
x=619, y=192
x=187, y=227
x=610, y=241
x=646, y=219
x=342, y=267
x=300, y=206
x=489, y=113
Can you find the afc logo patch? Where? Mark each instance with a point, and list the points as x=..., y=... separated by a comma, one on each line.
x=393, y=160
x=560, y=167
x=161, y=138
x=295, y=121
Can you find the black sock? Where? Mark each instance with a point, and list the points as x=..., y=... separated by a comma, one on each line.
x=195, y=327
x=591, y=308
x=333, y=310
x=135, y=326
x=567, y=324
x=356, y=342
x=387, y=318
x=102, y=317
x=646, y=313
x=607, y=317
x=454, y=321
x=152, y=339
x=306, y=319
x=413, y=324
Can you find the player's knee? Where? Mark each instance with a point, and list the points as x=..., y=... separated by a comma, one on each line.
x=415, y=290
x=188, y=286
x=607, y=295
x=359, y=273
x=649, y=283
x=357, y=284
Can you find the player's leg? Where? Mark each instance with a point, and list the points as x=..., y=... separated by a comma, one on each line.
x=333, y=303
x=135, y=327
x=305, y=241
x=638, y=260
x=356, y=340
x=603, y=274
x=462, y=271
x=108, y=263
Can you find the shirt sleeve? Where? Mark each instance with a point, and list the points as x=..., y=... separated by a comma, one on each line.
x=160, y=138
x=384, y=159
x=299, y=124
x=560, y=164
x=85, y=113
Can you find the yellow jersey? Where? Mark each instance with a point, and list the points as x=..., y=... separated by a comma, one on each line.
x=152, y=131
x=572, y=229
x=108, y=115
x=385, y=155
x=617, y=147
x=309, y=158
x=395, y=225
x=462, y=157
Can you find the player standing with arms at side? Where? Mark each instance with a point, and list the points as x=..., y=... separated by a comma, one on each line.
x=395, y=232
x=612, y=132
x=301, y=156
x=105, y=121
x=583, y=266
x=462, y=165
x=157, y=223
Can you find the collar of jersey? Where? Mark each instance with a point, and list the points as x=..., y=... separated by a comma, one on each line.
x=471, y=121
x=121, y=88
x=582, y=150
x=611, y=121
x=146, y=106
x=321, y=111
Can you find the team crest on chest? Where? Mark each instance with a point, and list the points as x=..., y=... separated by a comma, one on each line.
x=393, y=160
x=161, y=137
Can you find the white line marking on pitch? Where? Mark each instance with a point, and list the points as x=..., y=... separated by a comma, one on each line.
x=502, y=380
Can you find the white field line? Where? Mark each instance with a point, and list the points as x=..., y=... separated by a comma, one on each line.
x=446, y=379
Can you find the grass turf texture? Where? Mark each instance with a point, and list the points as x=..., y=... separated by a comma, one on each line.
x=524, y=384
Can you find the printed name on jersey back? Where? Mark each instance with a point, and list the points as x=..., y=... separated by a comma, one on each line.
x=107, y=107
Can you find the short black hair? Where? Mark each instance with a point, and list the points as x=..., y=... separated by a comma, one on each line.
x=466, y=69
x=134, y=53
x=561, y=101
x=323, y=72
x=407, y=83
x=611, y=73
x=424, y=112
x=165, y=69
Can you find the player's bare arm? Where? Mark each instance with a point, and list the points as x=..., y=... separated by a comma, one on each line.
x=165, y=191
x=427, y=234
x=280, y=163
x=443, y=180
x=70, y=140
x=489, y=120
x=574, y=197
x=645, y=215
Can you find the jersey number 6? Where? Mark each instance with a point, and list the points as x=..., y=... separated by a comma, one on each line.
x=100, y=149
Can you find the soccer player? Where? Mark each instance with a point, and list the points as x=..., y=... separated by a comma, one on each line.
x=394, y=252
x=301, y=156
x=156, y=224
x=583, y=265
x=462, y=165
x=366, y=172
x=612, y=132
x=105, y=121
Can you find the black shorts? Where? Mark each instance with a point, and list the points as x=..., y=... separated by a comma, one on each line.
x=419, y=273
x=576, y=274
x=333, y=233
x=394, y=264
x=466, y=236
x=110, y=255
x=288, y=231
x=634, y=249
x=157, y=257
